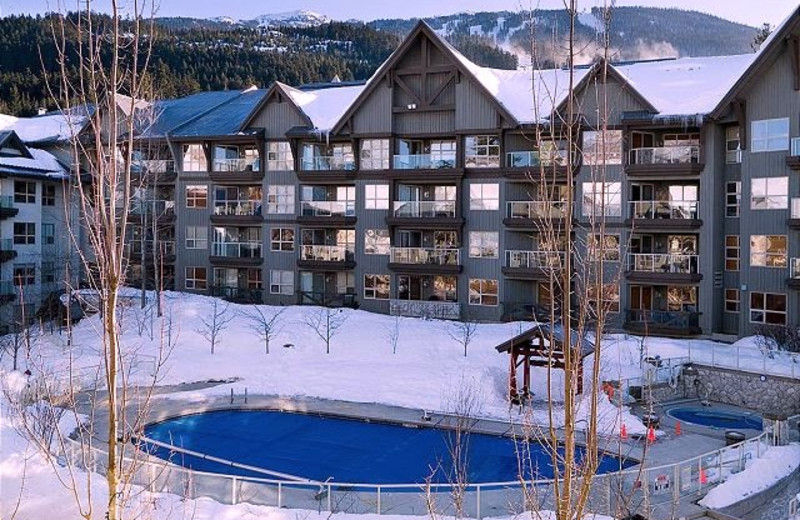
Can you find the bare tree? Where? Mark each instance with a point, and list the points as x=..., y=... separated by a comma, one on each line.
x=211, y=326
x=463, y=332
x=265, y=322
x=325, y=322
x=393, y=333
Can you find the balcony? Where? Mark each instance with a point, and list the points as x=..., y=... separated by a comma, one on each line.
x=326, y=258
x=326, y=168
x=664, y=214
x=327, y=299
x=794, y=273
x=7, y=292
x=482, y=161
x=237, y=212
x=7, y=209
x=160, y=171
x=532, y=265
x=663, y=268
x=794, y=213
x=425, y=214
x=431, y=260
x=793, y=159
x=663, y=323
x=166, y=247
x=424, y=161
x=241, y=169
x=162, y=210
x=425, y=309
x=666, y=160
x=331, y=213
x=7, y=250
x=530, y=165
x=535, y=213
x=236, y=253
x=238, y=294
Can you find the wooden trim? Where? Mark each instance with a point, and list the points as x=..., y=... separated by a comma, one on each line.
x=739, y=107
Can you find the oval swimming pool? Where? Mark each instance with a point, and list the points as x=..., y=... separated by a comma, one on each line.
x=348, y=450
x=712, y=418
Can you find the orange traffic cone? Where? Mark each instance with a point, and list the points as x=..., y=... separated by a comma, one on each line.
x=703, y=477
x=623, y=432
x=651, y=434
x=678, y=428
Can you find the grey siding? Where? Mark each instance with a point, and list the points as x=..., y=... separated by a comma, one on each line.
x=375, y=114
x=473, y=110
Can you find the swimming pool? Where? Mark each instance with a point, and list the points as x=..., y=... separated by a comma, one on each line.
x=714, y=418
x=348, y=450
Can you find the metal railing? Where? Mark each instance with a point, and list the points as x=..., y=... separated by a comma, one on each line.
x=533, y=159
x=664, y=209
x=516, y=259
x=795, y=211
x=431, y=309
x=327, y=299
x=329, y=163
x=795, y=147
x=686, y=154
x=241, y=164
x=425, y=209
x=328, y=208
x=326, y=253
x=425, y=255
x=747, y=359
x=794, y=268
x=153, y=165
x=238, y=294
x=482, y=161
x=158, y=208
x=236, y=249
x=675, y=319
x=533, y=209
x=424, y=161
x=663, y=263
x=237, y=207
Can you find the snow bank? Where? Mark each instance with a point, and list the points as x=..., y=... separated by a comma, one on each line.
x=760, y=474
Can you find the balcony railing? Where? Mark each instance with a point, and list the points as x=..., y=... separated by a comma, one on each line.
x=7, y=244
x=167, y=247
x=329, y=163
x=688, y=154
x=237, y=208
x=516, y=259
x=425, y=256
x=674, y=319
x=325, y=253
x=794, y=268
x=535, y=159
x=236, y=249
x=6, y=202
x=153, y=165
x=664, y=209
x=795, y=147
x=795, y=211
x=238, y=294
x=330, y=208
x=482, y=161
x=425, y=309
x=536, y=209
x=663, y=263
x=424, y=162
x=158, y=208
x=241, y=164
x=425, y=209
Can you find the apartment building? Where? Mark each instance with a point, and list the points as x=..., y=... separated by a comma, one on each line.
x=419, y=192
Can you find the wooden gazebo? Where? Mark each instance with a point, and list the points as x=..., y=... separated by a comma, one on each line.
x=532, y=348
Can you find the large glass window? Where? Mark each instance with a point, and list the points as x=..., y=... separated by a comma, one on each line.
x=484, y=196
x=48, y=195
x=733, y=148
x=484, y=244
x=375, y=154
x=376, y=242
x=732, y=252
x=483, y=292
x=769, y=308
x=196, y=237
x=602, y=149
x=482, y=151
x=196, y=196
x=281, y=282
x=196, y=278
x=24, y=192
x=731, y=300
x=733, y=199
x=769, y=193
x=770, y=135
x=282, y=239
x=24, y=274
x=194, y=158
x=280, y=199
x=24, y=233
x=605, y=247
x=768, y=251
x=376, y=286
x=279, y=156
x=602, y=199
x=48, y=234
x=376, y=196
x=607, y=296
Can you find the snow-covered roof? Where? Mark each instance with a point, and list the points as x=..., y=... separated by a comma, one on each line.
x=324, y=107
x=49, y=128
x=40, y=163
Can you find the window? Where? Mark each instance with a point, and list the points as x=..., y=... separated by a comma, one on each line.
x=482, y=151
x=484, y=244
x=48, y=195
x=768, y=250
x=282, y=239
x=376, y=286
x=443, y=154
x=733, y=148
x=770, y=135
x=194, y=158
x=769, y=308
x=769, y=193
x=24, y=274
x=606, y=249
x=196, y=237
x=731, y=300
x=609, y=297
x=733, y=198
x=375, y=154
x=196, y=196
x=376, y=196
x=732, y=252
x=484, y=196
x=48, y=234
x=280, y=199
x=279, y=156
x=599, y=149
x=24, y=192
x=281, y=282
x=196, y=278
x=483, y=292
x=376, y=242
x=24, y=233
x=602, y=198
x=48, y=272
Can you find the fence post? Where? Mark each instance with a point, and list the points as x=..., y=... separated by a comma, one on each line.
x=478, y=502
x=700, y=474
x=738, y=356
x=233, y=491
x=280, y=495
x=329, y=499
x=676, y=487
x=713, y=356
x=379, y=500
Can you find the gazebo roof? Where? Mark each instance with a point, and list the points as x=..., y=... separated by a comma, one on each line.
x=545, y=330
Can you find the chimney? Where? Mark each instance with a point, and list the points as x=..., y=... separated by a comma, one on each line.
x=42, y=111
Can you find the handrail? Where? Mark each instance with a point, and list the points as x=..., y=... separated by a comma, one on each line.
x=425, y=161
x=425, y=208
x=683, y=154
x=664, y=209
x=425, y=255
x=531, y=209
x=663, y=263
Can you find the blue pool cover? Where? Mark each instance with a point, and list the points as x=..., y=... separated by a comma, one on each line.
x=724, y=419
x=321, y=447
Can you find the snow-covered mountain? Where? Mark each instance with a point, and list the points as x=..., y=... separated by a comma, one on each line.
x=300, y=18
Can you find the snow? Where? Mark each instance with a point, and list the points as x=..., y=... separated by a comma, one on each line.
x=52, y=127
x=760, y=474
x=324, y=106
x=588, y=19
x=44, y=162
x=299, y=18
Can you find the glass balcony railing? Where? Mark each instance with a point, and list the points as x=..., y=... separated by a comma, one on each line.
x=424, y=162
x=329, y=163
x=6, y=202
x=795, y=209
x=237, y=208
x=664, y=209
x=536, y=209
x=674, y=319
x=663, y=263
x=325, y=253
x=516, y=259
x=237, y=249
x=425, y=256
x=482, y=161
x=688, y=154
x=241, y=164
x=534, y=159
x=795, y=147
x=7, y=244
x=153, y=165
x=328, y=208
x=425, y=209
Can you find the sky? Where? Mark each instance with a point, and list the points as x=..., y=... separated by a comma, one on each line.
x=750, y=12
